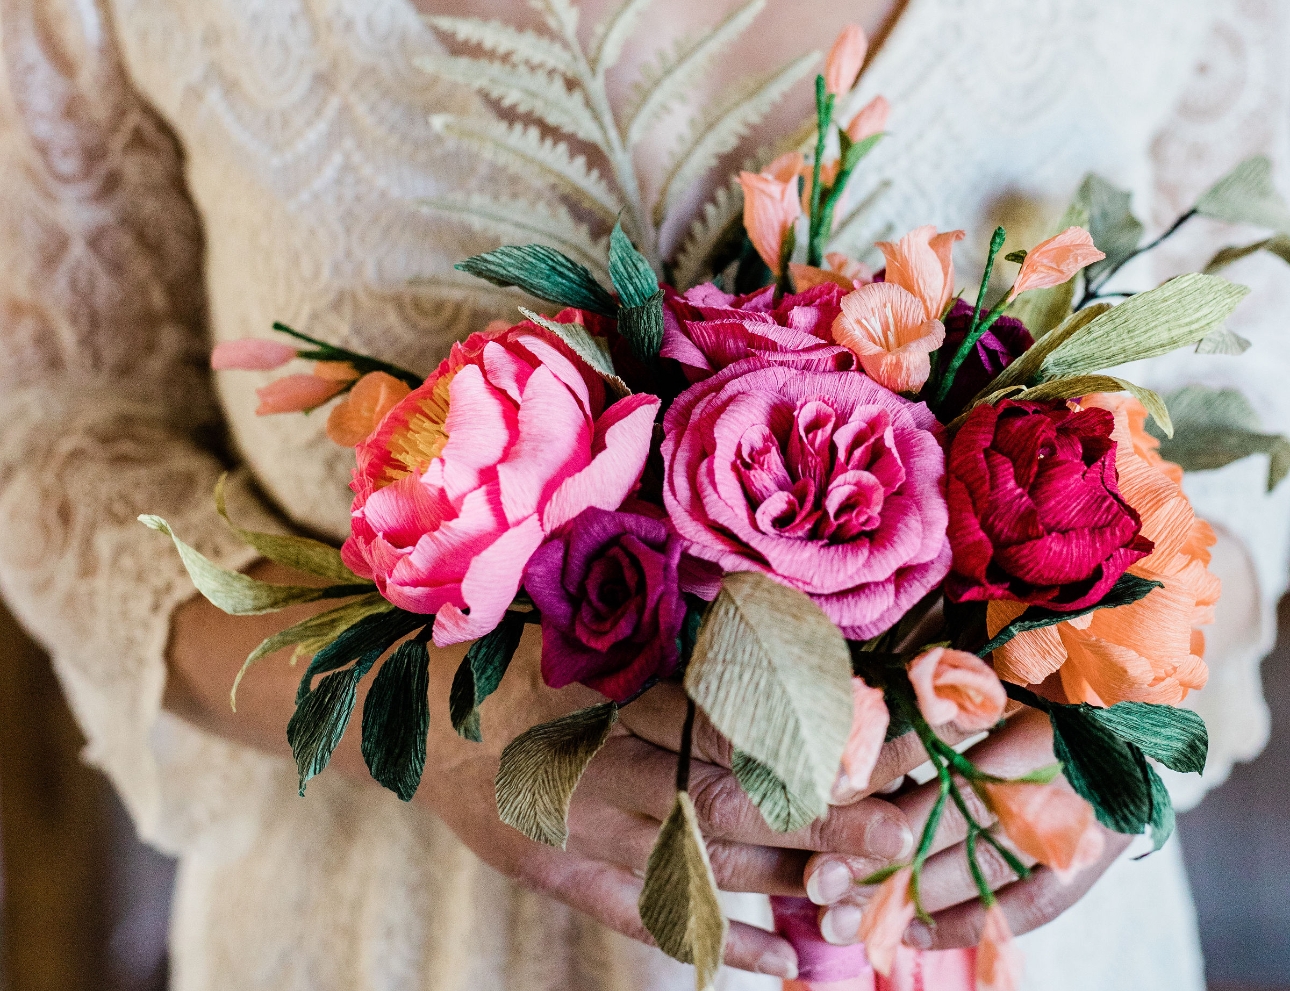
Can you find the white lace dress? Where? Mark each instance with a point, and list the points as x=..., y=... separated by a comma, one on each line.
x=302, y=142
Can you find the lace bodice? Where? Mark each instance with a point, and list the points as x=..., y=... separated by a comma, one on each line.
x=282, y=186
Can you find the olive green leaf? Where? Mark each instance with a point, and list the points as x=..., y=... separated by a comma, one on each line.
x=310, y=556
x=239, y=594
x=1277, y=244
x=541, y=767
x=1026, y=368
x=773, y=674
x=1247, y=195
x=1116, y=231
x=679, y=904
x=1178, y=313
x=1217, y=427
x=783, y=811
x=1222, y=341
x=542, y=272
x=396, y=719
x=586, y=345
x=1083, y=385
x=481, y=672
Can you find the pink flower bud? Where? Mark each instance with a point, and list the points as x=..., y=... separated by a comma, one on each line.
x=868, y=732
x=871, y=120
x=1049, y=823
x=998, y=960
x=251, y=354
x=885, y=919
x=1052, y=262
x=845, y=59
x=295, y=394
x=954, y=686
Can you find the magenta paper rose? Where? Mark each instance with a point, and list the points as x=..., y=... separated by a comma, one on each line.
x=706, y=329
x=1036, y=514
x=824, y=480
x=508, y=440
x=610, y=596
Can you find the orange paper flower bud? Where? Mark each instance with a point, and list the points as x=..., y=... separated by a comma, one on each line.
x=295, y=394
x=771, y=207
x=335, y=371
x=251, y=354
x=1052, y=262
x=885, y=920
x=954, y=686
x=845, y=59
x=1049, y=823
x=353, y=420
x=889, y=331
x=998, y=960
x=871, y=120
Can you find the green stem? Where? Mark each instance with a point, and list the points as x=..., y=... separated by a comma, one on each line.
x=926, y=735
x=976, y=328
x=1093, y=290
x=824, y=117
x=362, y=363
x=687, y=737
x=982, y=886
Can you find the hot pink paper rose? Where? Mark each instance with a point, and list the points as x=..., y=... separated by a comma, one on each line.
x=508, y=439
x=825, y=481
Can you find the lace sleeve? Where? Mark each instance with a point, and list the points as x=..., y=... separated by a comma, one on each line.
x=103, y=394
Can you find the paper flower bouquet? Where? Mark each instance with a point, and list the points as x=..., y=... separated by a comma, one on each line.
x=838, y=505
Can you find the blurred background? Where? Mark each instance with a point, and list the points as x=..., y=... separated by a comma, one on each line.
x=84, y=905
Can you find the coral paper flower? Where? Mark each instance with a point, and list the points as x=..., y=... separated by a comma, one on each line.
x=868, y=733
x=1052, y=262
x=998, y=959
x=354, y=418
x=706, y=329
x=609, y=592
x=871, y=120
x=885, y=920
x=1036, y=514
x=771, y=207
x=845, y=59
x=1148, y=651
x=507, y=441
x=296, y=394
x=890, y=333
x=996, y=349
x=841, y=271
x=1049, y=823
x=825, y=481
x=251, y=354
x=954, y=686
x=922, y=263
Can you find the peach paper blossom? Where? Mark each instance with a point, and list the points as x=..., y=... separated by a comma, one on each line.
x=922, y=262
x=839, y=270
x=998, y=959
x=845, y=59
x=1048, y=822
x=1148, y=651
x=871, y=120
x=889, y=331
x=885, y=919
x=771, y=206
x=1052, y=262
x=336, y=371
x=954, y=686
x=868, y=732
x=353, y=419
x=251, y=354
x=295, y=394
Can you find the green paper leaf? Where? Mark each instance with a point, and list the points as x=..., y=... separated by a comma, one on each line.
x=1175, y=737
x=1247, y=195
x=1278, y=244
x=1217, y=427
x=1016, y=257
x=239, y=594
x=481, y=672
x=363, y=642
x=1116, y=231
x=541, y=767
x=586, y=345
x=1041, y=775
x=783, y=811
x=1222, y=341
x=773, y=674
x=1126, y=590
x=642, y=326
x=853, y=153
x=320, y=720
x=1083, y=385
x=1102, y=768
x=1162, y=821
x=679, y=904
x=1026, y=368
x=542, y=272
x=396, y=719
x=313, y=634
x=630, y=271
x=1178, y=313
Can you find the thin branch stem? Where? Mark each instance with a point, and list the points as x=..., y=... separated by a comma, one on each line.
x=978, y=327
x=687, y=743
x=1093, y=290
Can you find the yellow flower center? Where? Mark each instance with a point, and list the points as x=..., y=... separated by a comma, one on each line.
x=425, y=436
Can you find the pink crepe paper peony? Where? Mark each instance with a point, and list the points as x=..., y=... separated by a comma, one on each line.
x=1048, y=822
x=998, y=960
x=871, y=120
x=845, y=59
x=890, y=333
x=1052, y=262
x=823, y=480
x=251, y=354
x=508, y=440
x=956, y=687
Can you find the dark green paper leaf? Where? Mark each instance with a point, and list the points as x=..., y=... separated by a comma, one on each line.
x=642, y=327
x=542, y=272
x=1016, y=257
x=365, y=642
x=630, y=271
x=320, y=719
x=783, y=811
x=481, y=672
x=1161, y=825
x=396, y=719
x=1102, y=768
x=1126, y=590
x=1175, y=737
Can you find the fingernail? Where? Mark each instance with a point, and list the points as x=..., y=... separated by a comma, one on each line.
x=841, y=925
x=889, y=838
x=777, y=963
x=830, y=882
x=919, y=935
x=843, y=793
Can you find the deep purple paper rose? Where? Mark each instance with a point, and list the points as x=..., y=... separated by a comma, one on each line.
x=1036, y=514
x=611, y=603
x=706, y=329
x=1001, y=345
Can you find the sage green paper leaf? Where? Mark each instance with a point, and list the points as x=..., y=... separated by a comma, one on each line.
x=481, y=672
x=313, y=634
x=541, y=767
x=1176, y=314
x=1126, y=590
x=1116, y=231
x=1175, y=737
x=586, y=346
x=1277, y=244
x=1247, y=195
x=1222, y=341
x=1041, y=775
x=632, y=276
x=679, y=903
x=773, y=674
x=1026, y=368
x=783, y=811
x=310, y=556
x=1084, y=385
x=396, y=719
x=1217, y=427
x=1162, y=821
x=320, y=719
x=241, y=595
x=542, y=272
